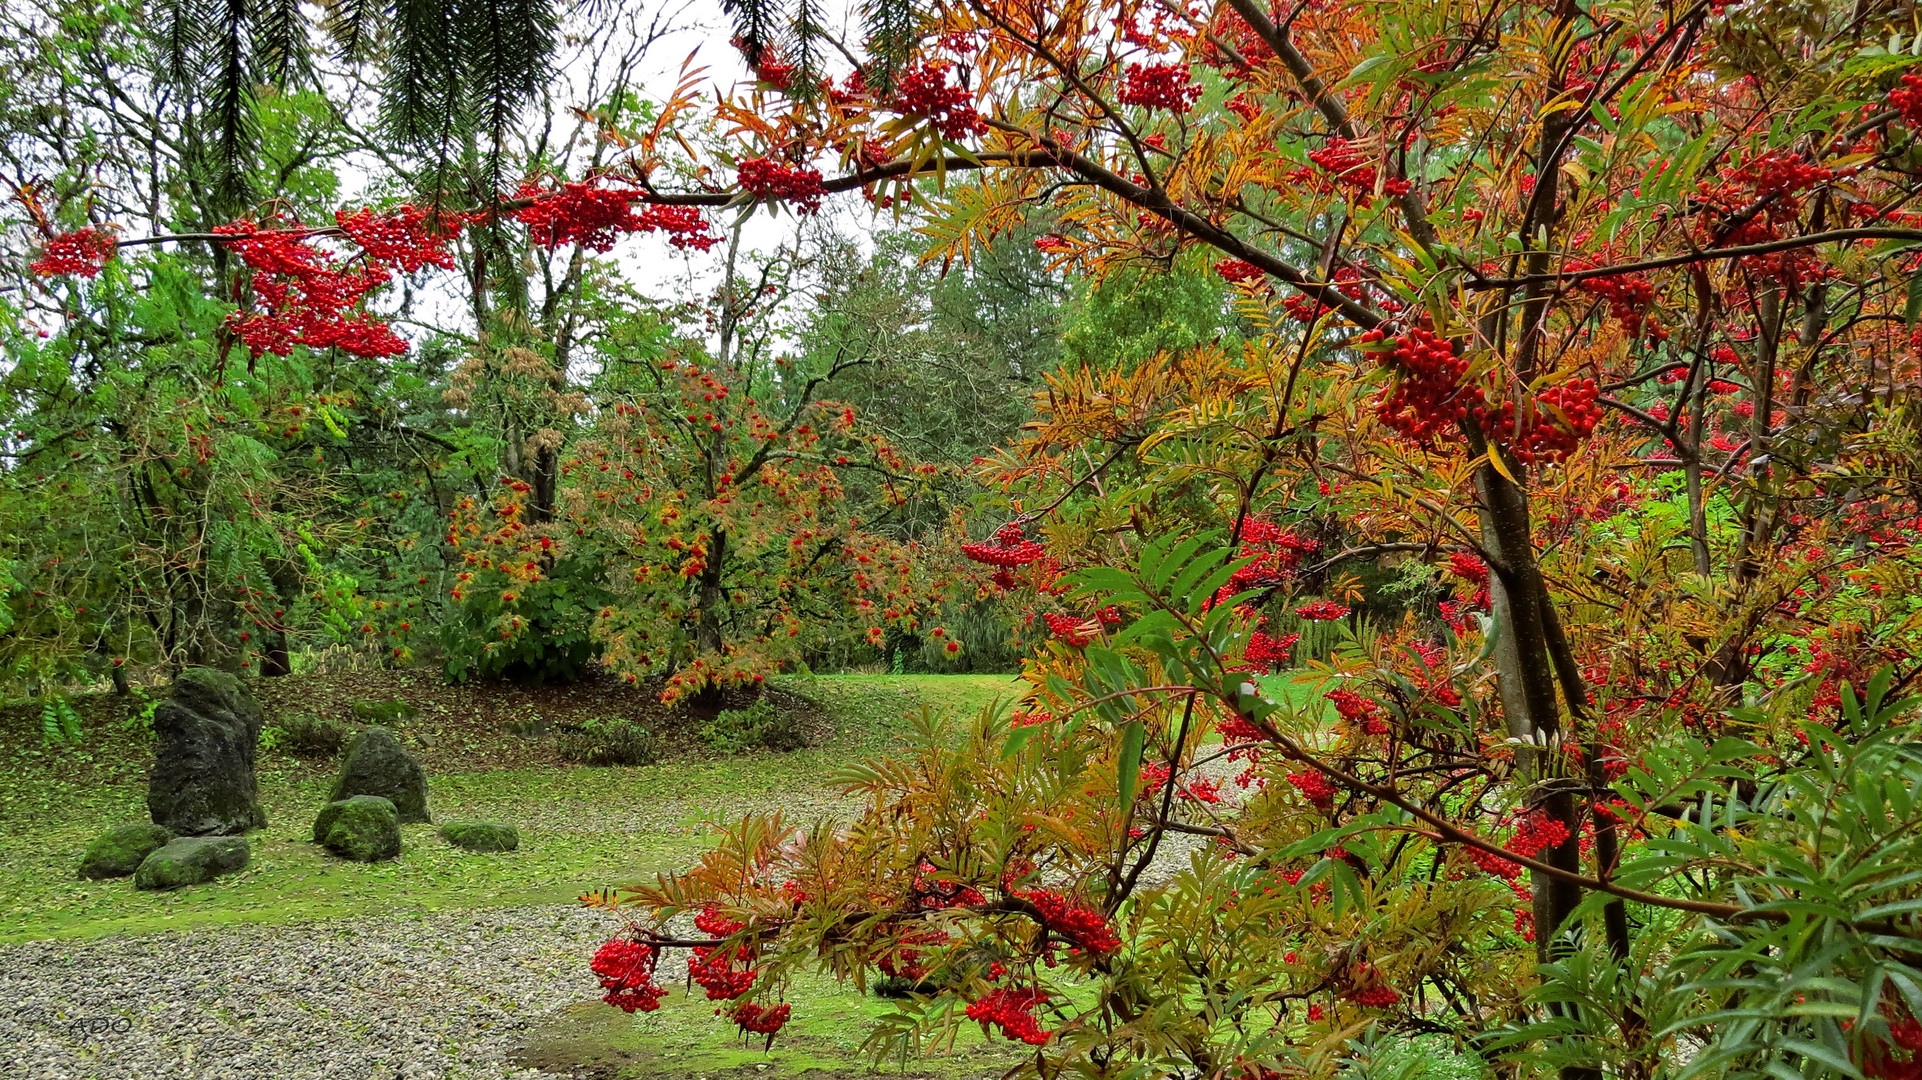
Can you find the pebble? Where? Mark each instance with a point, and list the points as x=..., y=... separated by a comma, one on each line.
x=420, y=997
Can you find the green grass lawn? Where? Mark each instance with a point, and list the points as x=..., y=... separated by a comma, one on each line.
x=580, y=828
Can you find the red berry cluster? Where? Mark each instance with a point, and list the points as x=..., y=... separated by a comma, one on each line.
x=1068, y=629
x=766, y=64
x=1240, y=272
x=1013, y=1012
x=1053, y=244
x=1350, y=168
x=1564, y=416
x=1008, y=549
x=713, y=923
x=1900, y=1056
x=1629, y=298
x=924, y=91
x=626, y=970
x=1359, y=711
x=1347, y=281
x=1779, y=174
x=1322, y=611
x=598, y=217
x=1031, y=718
x=1160, y=86
x=767, y=179
x=904, y=961
x=1267, y=652
x=1314, y=787
x=939, y=893
x=1429, y=395
x=760, y=1019
x=1086, y=928
x=1536, y=832
x=1908, y=98
x=1368, y=989
x=1272, y=554
x=1236, y=729
x=305, y=295
x=400, y=238
x=713, y=968
x=1249, y=47
x=83, y=252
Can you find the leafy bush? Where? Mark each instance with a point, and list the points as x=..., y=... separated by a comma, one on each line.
x=609, y=742
x=533, y=633
x=760, y=725
x=305, y=735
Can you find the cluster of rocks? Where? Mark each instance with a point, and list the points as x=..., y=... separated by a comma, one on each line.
x=203, y=795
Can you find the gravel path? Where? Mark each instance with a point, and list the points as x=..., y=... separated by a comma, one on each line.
x=411, y=998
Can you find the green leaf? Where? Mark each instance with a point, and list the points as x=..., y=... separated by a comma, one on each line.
x=1128, y=768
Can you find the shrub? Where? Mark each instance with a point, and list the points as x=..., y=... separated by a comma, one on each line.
x=609, y=742
x=760, y=725
x=305, y=735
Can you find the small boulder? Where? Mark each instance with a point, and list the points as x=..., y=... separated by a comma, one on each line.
x=191, y=860
x=377, y=765
x=203, y=773
x=364, y=828
x=481, y=836
x=392, y=711
x=120, y=850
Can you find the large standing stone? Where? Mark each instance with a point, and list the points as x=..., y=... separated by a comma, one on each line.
x=203, y=773
x=376, y=765
x=363, y=828
x=192, y=860
x=120, y=850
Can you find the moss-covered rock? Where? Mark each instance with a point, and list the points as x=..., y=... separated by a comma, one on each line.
x=377, y=765
x=206, y=735
x=481, y=836
x=119, y=851
x=391, y=711
x=191, y=860
x=364, y=828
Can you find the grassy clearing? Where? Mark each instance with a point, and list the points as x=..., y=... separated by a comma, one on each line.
x=580, y=827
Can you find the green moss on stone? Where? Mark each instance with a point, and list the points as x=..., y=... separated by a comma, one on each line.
x=481, y=836
x=119, y=851
x=192, y=860
x=365, y=828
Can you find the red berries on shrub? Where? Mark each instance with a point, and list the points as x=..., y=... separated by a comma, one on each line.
x=1008, y=549
x=626, y=970
x=766, y=179
x=1322, y=610
x=82, y=252
x=1160, y=86
x=1314, y=787
x=761, y=1019
x=1013, y=1012
x=1086, y=928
